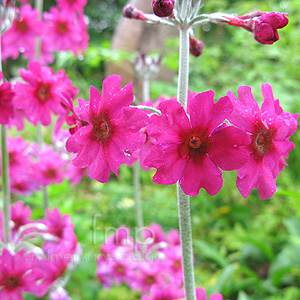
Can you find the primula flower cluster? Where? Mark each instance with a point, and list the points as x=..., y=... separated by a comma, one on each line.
x=168, y=292
x=154, y=267
x=30, y=168
x=191, y=147
x=38, y=268
x=62, y=29
x=157, y=262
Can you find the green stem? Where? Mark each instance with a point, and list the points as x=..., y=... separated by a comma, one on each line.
x=146, y=90
x=5, y=166
x=185, y=226
x=5, y=185
x=137, y=195
x=143, y=107
x=40, y=139
x=38, y=46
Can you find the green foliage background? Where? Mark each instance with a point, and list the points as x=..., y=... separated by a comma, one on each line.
x=248, y=249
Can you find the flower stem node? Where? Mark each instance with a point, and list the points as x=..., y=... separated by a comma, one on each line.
x=196, y=46
x=163, y=8
x=131, y=12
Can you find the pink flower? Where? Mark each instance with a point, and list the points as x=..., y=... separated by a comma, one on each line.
x=62, y=31
x=72, y=5
x=75, y=174
x=201, y=295
x=59, y=294
x=6, y=101
x=50, y=167
x=41, y=94
x=53, y=267
x=111, y=130
x=18, y=274
x=20, y=214
x=149, y=274
x=21, y=36
x=62, y=228
x=190, y=149
x=164, y=292
x=265, y=27
x=270, y=129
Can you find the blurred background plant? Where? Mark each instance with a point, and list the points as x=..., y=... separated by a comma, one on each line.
x=248, y=249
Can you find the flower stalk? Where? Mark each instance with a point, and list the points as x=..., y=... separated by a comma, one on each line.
x=38, y=48
x=185, y=227
x=5, y=165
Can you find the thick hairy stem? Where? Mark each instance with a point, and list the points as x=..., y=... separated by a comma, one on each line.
x=185, y=226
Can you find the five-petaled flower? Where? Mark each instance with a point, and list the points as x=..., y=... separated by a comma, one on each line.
x=190, y=149
x=270, y=129
x=111, y=129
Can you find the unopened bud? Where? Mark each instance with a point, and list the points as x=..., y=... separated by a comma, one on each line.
x=265, y=27
x=163, y=8
x=131, y=12
x=196, y=46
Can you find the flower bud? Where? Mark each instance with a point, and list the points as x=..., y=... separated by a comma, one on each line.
x=131, y=12
x=196, y=46
x=265, y=27
x=163, y=8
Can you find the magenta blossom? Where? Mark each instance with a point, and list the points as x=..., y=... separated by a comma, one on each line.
x=72, y=5
x=41, y=94
x=110, y=130
x=164, y=292
x=6, y=101
x=50, y=167
x=190, y=149
x=270, y=129
x=61, y=227
x=18, y=274
x=21, y=36
x=171, y=292
x=63, y=31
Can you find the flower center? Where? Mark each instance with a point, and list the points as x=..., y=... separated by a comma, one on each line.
x=195, y=142
x=11, y=282
x=43, y=92
x=120, y=269
x=21, y=25
x=150, y=279
x=103, y=127
x=262, y=141
x=177, y=264
x=62, y=27
x=50, y=173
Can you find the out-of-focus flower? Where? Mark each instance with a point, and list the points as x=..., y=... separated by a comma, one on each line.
x=6, y=101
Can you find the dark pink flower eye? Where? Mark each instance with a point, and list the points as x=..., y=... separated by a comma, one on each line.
x=195, y=142
x=103, y=127
x=11, y=282
x=260, y=140
x=22, y=25
x=43, y=92
x=62, y=27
